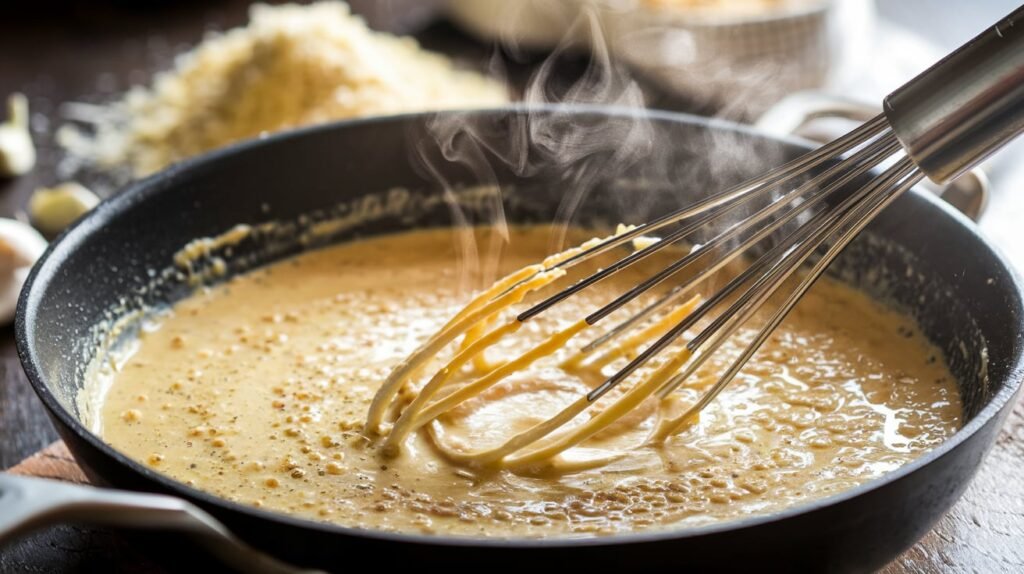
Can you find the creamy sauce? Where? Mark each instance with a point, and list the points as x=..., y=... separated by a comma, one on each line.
x=257, y=390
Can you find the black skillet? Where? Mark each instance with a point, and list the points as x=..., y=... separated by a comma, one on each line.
x=919, y=255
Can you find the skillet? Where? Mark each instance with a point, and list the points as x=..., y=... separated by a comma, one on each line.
x=574, y=164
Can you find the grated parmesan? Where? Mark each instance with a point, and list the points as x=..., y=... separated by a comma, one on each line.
x=290, y=66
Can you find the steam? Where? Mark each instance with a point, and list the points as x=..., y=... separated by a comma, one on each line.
x=588, y=151
x=583, y=150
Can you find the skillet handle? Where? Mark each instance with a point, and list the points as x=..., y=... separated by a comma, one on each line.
x=969, y=194
x=30, y=503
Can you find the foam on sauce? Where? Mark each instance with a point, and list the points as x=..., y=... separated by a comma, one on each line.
x=257, y=390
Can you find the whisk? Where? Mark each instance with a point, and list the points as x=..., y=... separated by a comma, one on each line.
x=939, y=125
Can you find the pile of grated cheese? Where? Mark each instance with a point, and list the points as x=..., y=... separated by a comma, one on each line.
x=290, y=66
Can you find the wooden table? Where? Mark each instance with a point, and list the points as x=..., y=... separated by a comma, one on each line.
x=93, y=50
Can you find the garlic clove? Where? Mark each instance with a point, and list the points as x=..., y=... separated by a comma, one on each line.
x=17, y=154
x=20, y=247
x=53, y=209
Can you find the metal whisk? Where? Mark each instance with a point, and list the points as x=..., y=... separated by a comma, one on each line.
x=939, y=125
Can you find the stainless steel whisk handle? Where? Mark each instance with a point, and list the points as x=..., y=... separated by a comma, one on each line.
x=968, y=105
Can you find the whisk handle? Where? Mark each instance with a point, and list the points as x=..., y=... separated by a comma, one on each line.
x=968, y=105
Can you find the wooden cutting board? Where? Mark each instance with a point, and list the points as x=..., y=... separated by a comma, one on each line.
x=54, y=462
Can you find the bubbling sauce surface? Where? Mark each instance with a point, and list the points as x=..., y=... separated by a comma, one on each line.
x=256, y=390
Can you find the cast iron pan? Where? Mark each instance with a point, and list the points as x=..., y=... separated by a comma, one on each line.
x=919, y=255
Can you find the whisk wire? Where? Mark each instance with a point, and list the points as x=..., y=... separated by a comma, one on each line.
x=766, y=182
x=883, y=148
x=793, y=256
x=854, y=167
x=880, y=151
x=901, y=177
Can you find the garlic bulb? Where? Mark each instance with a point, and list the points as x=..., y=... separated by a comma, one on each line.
x=20, y=246
x=17, y=154
x=53, y=209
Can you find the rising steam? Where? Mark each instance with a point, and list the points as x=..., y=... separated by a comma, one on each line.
x=583, y=150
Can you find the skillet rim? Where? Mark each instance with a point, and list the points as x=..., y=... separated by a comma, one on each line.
x=50, y=262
